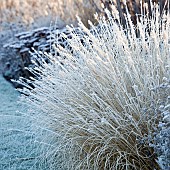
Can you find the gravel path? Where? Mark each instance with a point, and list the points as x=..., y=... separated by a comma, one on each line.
x=16, y=144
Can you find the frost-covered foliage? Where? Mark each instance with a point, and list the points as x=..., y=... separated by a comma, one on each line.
x=41, y=12
x=100, y=106
x=161, y=139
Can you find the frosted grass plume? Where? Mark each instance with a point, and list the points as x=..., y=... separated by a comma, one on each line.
x=101, y=108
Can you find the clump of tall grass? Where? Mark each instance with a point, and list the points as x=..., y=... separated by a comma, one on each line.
x=101, y=109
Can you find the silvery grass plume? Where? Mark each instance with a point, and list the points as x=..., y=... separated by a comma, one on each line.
x=102, y=107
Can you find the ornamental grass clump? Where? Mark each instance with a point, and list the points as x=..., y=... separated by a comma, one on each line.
x=98, y=105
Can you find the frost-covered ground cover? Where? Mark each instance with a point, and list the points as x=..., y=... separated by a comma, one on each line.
x=17, y=144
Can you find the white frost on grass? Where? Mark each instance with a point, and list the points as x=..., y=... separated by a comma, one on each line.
x=100, y=110
x=17, y=142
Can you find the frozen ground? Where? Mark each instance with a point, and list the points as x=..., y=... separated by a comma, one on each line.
x=17, y=149
x=15, y=138
x=18, y=146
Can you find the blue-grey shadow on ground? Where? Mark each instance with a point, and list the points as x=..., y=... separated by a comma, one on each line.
x=17, y=145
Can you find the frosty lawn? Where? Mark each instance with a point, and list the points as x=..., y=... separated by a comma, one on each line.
x=17, y=147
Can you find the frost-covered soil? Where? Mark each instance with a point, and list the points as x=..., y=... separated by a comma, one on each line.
x=15, y=137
